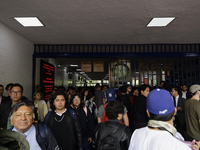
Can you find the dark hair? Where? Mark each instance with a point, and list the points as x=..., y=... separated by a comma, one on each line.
x=123, y=89
x=97, y=86
x=81, y=103
x=183, y=85
x=8, y=85
x=114, y=108
x=104, y=86
x=17, y=85
x=167, y=86
x=54, y=97
x=175, y=88
x=162, y=82
x=90, y=95
x=161, y=117
x=1, y=85
x=135, y=88
x=143, y=88
x=19, y=104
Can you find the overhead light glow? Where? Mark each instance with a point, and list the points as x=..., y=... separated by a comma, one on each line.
x=29, y=21
x=82, y=72
x=78, y=69
x=160, y=22
x=74, y=65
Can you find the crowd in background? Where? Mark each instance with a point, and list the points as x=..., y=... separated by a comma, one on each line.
x=73, y=115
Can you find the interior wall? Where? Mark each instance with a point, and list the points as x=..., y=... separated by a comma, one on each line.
x=15, y=60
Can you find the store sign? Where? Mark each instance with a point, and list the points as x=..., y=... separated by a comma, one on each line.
x=98, y=66
x=86, y=66
x=46, y=78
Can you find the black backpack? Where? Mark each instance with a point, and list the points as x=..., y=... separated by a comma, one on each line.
x=112, y=141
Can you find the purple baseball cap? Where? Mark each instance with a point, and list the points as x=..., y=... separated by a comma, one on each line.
x=160, y=102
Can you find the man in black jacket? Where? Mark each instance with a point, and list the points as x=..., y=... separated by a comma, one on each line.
x=179, y=103
x=184, y=93
x=139, y=113
x=105, y=132
x=16, y=95
x=2, y=98
x=125, y=100
x=38, y=136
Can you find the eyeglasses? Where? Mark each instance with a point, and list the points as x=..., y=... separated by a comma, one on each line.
x=76, y=99
x=15, y=92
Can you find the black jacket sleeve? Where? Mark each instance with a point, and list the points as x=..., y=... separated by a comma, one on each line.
x=90, y=123
x=126, y=137
x=52, y=141
x=78, y=133
x=48, y=143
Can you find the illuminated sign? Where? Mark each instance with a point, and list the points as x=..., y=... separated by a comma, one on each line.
x=46, y=78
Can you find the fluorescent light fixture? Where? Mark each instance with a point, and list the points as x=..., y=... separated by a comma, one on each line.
x=29, y=21
x=73, y=65
x=78, y=69
x=160, y=22
x=82, y=72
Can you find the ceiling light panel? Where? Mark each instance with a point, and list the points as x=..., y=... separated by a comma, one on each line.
x=160, y=22
x=73, y=65
x=29, y=21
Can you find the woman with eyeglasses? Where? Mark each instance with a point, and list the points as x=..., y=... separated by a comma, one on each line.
x=63, y=123
x=85, y=118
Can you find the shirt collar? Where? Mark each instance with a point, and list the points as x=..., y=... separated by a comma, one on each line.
x=177, y=97
x=61, y=113
x=27, y=132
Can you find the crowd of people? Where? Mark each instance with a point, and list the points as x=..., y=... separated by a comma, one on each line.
x=101, y=118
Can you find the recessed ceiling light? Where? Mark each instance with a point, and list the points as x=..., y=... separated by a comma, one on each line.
x=73, y=65
x=29, y=21
x=160, y=22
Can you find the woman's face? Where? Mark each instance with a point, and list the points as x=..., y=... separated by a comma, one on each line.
x=37, y=96
x=76, y=101
x=86, y=93
x=59, y=102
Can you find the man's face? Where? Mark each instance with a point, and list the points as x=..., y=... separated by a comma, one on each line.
x=161, y=84
x=16, y=93
x=22, y=119
x=173, y=92
x=1, y=90
x=129, y=89
x=8, y=91
x=104, y=89
x=184, y=88
x=136, y=92
x=70, y=91
x=145, y=92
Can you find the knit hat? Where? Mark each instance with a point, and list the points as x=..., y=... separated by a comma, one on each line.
x=110, y=94
x=194, y=88
x=160, y=102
